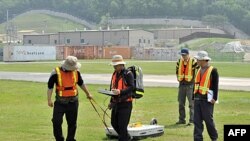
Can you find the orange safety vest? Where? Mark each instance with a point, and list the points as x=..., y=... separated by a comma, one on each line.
x=202, y=85
x=185, y=73
x=67, y=82
x=121, y=85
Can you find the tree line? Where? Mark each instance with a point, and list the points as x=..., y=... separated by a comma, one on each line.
x=236, y=12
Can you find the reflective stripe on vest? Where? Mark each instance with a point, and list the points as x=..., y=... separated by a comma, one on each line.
x=67, y=82
x=202, y=85
x=188, y=75
x=121, y=85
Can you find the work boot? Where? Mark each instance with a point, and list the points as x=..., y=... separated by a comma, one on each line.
x=180, y=122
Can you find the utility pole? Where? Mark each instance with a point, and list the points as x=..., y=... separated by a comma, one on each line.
x=11, y=30
x=7, y=26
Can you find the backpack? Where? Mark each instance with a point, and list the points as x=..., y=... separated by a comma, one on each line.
x=138, y=91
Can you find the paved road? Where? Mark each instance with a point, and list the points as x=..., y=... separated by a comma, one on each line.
x=149, y=80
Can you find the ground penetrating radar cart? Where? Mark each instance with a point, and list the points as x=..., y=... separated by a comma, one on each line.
x=139, y=131
x=135, y=130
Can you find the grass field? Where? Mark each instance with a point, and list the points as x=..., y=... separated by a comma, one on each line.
x=101, y=66
x=25, y=116
x=196, y=44
x=40, y=22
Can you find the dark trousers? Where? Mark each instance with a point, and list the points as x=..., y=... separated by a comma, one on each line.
x=71, y=111
x=203, y=111
x=186, y=91
x=120, y=117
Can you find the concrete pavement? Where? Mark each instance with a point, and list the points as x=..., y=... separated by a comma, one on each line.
x=226, y=83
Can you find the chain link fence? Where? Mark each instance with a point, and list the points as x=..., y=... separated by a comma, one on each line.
x=167, y=54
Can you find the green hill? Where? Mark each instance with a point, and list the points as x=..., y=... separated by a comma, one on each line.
x=201, y=43
x=42, y=22
x=213, y=47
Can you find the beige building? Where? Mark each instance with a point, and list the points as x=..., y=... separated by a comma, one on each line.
x=40, y=39
x=20, y=34
x=176, y=33
x=118, y=37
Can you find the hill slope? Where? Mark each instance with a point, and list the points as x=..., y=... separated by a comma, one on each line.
x=40, y=23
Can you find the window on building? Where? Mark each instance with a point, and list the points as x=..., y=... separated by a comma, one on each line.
x=139, y=40
x=68, y=41
x=148, y=41
x=55, y=41
x=144, y=41
x=82, y=41
x=29, y=41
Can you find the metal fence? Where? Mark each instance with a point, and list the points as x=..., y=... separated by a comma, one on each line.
x=167, y=54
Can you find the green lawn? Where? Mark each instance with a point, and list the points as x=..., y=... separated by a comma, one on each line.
x=196, y=44
x=25, y=115
x=40, y=22
x=102, y=66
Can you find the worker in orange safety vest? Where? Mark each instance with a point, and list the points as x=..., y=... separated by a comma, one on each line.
x=185, y=72
x=66, y=78
x=122, y=85
x=205, y=96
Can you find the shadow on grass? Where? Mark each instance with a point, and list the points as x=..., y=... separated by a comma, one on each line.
x=115, y=138
x=109, y=138
x=174, y=126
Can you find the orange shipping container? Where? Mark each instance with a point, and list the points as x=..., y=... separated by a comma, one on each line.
x=108, y=52
x=92, y=52
x=81, y=52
